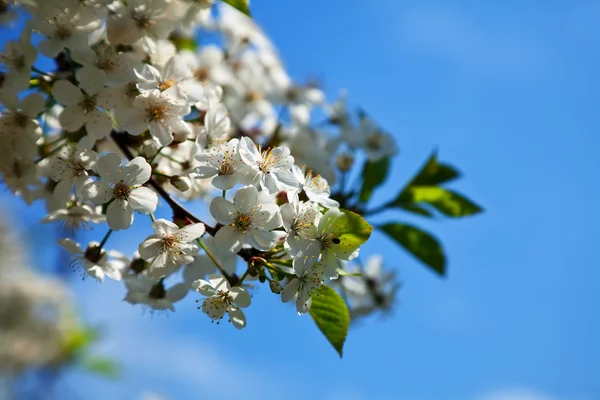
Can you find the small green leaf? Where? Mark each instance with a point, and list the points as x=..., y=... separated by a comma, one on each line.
x=101, y=366
x=342, y=272
x=419, y=243
x=445, y=201
x=183, y=42
x=330, y=313
x=241, y=5
x=434, y=173
x=351, y=230
x=415, y=209
x=374, y=174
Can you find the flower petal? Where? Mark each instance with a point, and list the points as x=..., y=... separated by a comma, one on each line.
x=230, y=239
x=143, y=200
x=190, y=232
x=97, y=192
x=150, y=247
x=222, y=210
x=119, y=215
x=240, y=296
x=66, y=93
x=246, y=199
x=109, y=168
x=136, y=172
x=237, y=317
x=72, y=118
x=290, y=290
x=71, y=246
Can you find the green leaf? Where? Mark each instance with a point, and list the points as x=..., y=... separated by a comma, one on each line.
x=183, y=42
x=351, y=229
x=101, y=366
x=419, y=243
x=374, y=174
x=447, y=202
x=415, y=209
x=241, y=5
x=330, y=313
x=342, y=272
x=434, y=173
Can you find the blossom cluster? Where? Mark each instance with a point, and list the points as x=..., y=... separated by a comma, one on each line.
x=132, y=116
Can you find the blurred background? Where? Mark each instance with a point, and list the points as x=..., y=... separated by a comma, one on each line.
x=508, y=93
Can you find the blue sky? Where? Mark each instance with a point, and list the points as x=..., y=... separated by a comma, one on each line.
x=508, y=92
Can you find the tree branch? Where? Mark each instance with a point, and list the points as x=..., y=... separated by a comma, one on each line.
x=179, y=211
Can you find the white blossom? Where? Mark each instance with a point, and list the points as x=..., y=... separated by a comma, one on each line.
x=70, y=168
x=222, y=298
x=121, y=186
x=223, y=164
x=141, y=289
x=93, y=261
x=270, y=168
x=169, y=247
x=159, y=112
x=85, y=106
x=245, y=221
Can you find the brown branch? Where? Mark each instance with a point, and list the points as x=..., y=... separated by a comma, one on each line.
x=179, y=211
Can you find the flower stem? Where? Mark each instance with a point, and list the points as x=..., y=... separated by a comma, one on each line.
x=224, y=193
x=103, y=242
x=239, y=283
x=152, y=217
x=213, y=258
x=157, y=153
x=51, y=153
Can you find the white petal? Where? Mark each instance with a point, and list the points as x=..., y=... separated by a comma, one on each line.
x=72, y=118
x=109, y=168
x=177, y=292
x=150, y=247
x=240, y=297
x=66, y=93
x=164, y=228
x=119, y=215
x=143, y=200
x=97, y=192
x=33, y=104
x=98, y=124
x=229, y=239
x=62, y=191
x=132, y=120
x=190, y=232
x=237, y=317
x=137, y=172
x=261, y=239
x=219, y=282
x=161, y=133
x=245, y=199
x=91, y=80
x=290, y=290
x=71, y=246
x=222, y=210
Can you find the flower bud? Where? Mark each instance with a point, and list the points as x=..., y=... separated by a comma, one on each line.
x=180, y=183
x=149, y=150
x=275, y=287
x=344, y=161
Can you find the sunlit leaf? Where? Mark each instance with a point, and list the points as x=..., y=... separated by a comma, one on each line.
x=351, y=231
x=419, y=243
x=330, y=313
x=446, y=201
x=374, y=174
x=102, y=366
x=434, y=173
x=342, y=272
x=241, y=5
